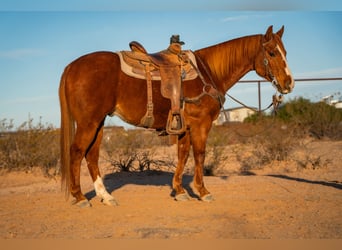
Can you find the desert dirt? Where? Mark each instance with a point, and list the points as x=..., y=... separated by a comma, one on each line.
x=279, y=201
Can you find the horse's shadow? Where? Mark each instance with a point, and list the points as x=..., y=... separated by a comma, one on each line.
x=333, y=184
x=117, y=180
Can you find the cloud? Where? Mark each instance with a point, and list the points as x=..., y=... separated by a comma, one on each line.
x=21, y=53
x=244, y=17
x=234, y=18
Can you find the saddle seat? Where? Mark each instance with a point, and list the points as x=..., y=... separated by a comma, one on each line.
x=167, y=57
x=133, y=62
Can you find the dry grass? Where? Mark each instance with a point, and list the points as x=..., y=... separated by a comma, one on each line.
x=135, y=150
x=28, y=146
x=264, y=140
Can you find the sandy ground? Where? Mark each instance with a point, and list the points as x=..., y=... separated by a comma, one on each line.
x=279, y=201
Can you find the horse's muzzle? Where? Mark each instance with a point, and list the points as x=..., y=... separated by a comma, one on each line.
x=287, y=87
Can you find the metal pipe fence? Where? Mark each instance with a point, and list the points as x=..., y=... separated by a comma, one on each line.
x=296, y=80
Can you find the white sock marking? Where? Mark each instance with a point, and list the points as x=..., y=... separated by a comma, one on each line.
x=101, y=190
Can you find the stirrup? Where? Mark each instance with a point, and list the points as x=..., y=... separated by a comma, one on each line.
x=175, y=123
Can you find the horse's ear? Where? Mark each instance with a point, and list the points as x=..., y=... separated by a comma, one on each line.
x=269, y=33
x=281, y=31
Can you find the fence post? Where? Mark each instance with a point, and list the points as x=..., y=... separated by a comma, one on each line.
x=259, y=98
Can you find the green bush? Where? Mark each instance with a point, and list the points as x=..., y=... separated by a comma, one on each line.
x=280, y=135
x=30, y=145
x=319, y=119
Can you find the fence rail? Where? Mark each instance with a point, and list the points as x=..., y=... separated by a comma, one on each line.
x=296, y=80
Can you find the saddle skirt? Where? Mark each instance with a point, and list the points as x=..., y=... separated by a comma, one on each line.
x=134, y=64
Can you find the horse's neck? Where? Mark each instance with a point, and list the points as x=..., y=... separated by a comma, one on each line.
x=228, y=62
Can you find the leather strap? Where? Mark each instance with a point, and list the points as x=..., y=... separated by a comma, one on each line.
x=147, y=120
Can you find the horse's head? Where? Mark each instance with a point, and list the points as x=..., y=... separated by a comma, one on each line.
x=271, y=62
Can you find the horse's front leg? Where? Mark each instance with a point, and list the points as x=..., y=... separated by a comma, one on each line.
x=199, y=137
x=183, y=154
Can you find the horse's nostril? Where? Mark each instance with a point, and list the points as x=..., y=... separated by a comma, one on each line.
x=289, y=84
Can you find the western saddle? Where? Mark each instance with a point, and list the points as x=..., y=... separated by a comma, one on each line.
x=170, y=66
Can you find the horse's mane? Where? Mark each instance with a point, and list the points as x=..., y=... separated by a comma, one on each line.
x=223, y=58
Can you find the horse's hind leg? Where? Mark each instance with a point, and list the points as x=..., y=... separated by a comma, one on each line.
x=92, y=158
x=85, y=137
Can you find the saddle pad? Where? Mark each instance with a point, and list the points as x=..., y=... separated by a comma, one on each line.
x=133, y=72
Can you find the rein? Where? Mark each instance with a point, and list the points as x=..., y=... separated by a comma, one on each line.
x=208, y=89
x=212, y=91
x=276, y=99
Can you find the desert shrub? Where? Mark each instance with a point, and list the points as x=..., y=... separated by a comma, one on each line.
x=215, y=155
x=271, y=137
x=120, y=152
x=312, y=162
x=147, y=159
x=30, y=145
x=134, y=150
x=282, y=133
x=275, y=141
x=315, y=119
x=319, y=119
x=218, y=138
x=123, y=160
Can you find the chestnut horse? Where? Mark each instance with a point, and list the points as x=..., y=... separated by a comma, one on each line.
x=93, y=86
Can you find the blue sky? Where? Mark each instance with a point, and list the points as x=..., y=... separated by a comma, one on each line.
x=39, y=40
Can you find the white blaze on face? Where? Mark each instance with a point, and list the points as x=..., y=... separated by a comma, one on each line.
x=287, y=69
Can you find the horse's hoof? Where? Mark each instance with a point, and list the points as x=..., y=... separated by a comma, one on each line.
x=83, y=204
x=111, y=202
x=182, y=197
x=207, y=198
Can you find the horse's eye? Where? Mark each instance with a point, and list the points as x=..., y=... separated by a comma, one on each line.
x=271, y=54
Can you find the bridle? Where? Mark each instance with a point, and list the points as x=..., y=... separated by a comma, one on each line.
x=268, y=71
x=276, y=99
x=209, y=89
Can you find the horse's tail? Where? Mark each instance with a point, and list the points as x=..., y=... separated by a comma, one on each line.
x=67, y=135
